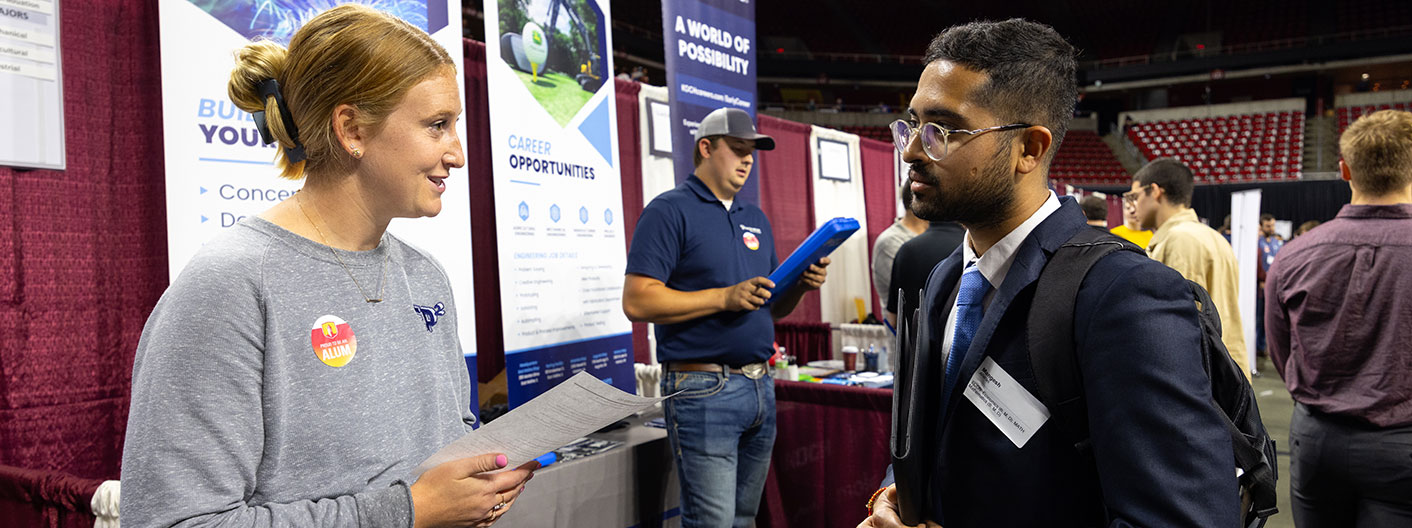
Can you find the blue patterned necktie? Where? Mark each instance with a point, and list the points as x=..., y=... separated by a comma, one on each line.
x=970, y=309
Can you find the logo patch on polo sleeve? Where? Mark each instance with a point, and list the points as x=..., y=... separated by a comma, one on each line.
x=751, y=241
x=333, y=341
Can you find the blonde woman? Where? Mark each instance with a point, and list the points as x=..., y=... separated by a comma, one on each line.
x=285, y=378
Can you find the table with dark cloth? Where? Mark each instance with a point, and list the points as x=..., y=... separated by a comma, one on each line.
x=830, y=454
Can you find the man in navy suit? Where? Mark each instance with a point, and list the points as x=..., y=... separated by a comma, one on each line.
x=991, y=107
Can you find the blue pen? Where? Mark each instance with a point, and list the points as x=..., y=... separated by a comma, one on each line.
x=546, y=459
x=889, y=326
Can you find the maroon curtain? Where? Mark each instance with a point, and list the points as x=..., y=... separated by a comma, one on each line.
x=787, y=196
x=45, y=498
x=485, y=267
x=1115, y=211
x=806, y=341
x=830, y=454
x=630, y=160
x=83, y=252
x=879, y=195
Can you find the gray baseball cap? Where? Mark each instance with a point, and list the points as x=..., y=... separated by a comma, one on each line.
x=735, y=123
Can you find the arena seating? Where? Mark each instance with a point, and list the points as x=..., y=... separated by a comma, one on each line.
x=1083, y=159
x=879, y=133
x=1223, y=149
x=1348, y=114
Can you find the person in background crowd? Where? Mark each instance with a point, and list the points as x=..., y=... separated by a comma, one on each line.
x=1130, y=230
x=892, y=238
x=240, y=416
x=1305, y=228
x=1269, y=243
x=1339, y=313
x=1161, y=197
x=914, y=263
x=1095, y=210
x=697, y=269
x=992, y=105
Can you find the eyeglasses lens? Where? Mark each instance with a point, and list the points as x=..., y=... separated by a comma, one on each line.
x=933, y=141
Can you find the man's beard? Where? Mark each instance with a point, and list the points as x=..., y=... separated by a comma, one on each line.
x=981, y=202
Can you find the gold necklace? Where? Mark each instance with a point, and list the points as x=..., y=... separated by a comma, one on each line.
x=382, y=285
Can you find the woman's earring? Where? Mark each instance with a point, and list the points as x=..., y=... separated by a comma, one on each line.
x=357, y=153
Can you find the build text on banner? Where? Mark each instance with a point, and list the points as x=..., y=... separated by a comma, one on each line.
x=710, y=52
x=217, y=170
x=558, y=200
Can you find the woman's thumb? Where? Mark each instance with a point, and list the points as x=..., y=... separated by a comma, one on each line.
x=468, y=466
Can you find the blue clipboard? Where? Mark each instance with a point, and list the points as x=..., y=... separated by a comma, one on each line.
x=824, y=240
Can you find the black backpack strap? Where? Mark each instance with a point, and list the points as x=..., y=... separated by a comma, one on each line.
x=1254, y=449
x=1051, y=329
x=1050, y=334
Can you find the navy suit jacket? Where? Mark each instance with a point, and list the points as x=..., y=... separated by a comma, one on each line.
x=1163, y=454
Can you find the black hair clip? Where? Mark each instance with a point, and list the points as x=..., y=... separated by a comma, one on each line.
x=267, y=88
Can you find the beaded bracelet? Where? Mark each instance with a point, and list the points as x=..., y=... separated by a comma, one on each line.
x=873, y=499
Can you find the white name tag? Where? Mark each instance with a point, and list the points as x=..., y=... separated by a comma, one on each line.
x=1007, y=404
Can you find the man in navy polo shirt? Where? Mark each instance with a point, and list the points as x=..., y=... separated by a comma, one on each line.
x=697, y=269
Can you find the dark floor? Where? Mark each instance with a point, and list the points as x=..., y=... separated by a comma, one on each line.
x=1275, y=410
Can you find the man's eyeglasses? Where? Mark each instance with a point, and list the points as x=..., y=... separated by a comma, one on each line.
x=1130, y=197
x=936, y=140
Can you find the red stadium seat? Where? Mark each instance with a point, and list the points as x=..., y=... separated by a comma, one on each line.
x=1231, y=148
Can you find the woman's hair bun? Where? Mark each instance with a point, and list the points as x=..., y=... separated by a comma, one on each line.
x=255, y=62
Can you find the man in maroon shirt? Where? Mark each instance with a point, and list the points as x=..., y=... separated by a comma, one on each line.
x=1338, y=316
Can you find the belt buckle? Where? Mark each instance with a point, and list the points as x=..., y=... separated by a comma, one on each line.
x=753, y=370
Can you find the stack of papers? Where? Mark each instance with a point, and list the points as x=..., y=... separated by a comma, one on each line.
x=578, y=406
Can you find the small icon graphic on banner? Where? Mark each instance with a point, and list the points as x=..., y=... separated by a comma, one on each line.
x=554, y=213
x=430, y=313
x=751, y=241
x=524, y=211
x=608, y=216
x=333, y=341
x=583, y=215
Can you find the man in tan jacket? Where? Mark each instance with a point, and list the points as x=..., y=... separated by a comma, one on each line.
x=1161, y=194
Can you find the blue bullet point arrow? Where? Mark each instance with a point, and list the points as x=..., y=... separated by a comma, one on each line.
x=204, y=219
x=203, y=190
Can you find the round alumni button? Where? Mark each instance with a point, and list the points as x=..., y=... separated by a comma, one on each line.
x=751, y=241
x=333, y=341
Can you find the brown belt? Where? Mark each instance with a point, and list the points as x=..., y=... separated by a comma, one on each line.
x=752, y=371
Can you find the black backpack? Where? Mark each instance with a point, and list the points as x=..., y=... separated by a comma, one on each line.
x=1055, y=363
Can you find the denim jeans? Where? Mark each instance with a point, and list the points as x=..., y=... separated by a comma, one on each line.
x=722, y=431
